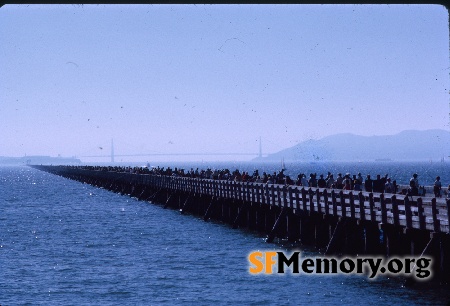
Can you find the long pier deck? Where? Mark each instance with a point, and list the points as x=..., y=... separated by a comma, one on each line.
x=335, y=221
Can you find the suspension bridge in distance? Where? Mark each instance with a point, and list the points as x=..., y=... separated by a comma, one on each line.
x=113, y=155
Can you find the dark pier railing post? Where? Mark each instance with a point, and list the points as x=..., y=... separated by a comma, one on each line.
x=372, y=208
x=383, y=209
x=342, y=203
x=258, y=191
x=362, y=210
x=434, y=212
x=260, y=213
x=421, y=214
x=319, y=207
x=297, y=200
x=448, y=210
x=279, y=196
x=293, y=221
x=304, y=201
x=272, y=191
x=290, y=197
x=327, y=205
x=352, y=205
x=334, y=202
x=395, y=211
x=408, y=213
x=311, y=201
x=321, y=223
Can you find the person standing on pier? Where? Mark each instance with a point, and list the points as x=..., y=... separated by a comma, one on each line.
x=388, y=187
x=360, y=178
x=394, y=186
x=414, y=185
x=368, y=184
x=330, y=181
x=356, y=183
x=264, y=177
x=280, y=177
x=321, y=183
x=377, y=184
x=288, y=181
x=339, y=181
x=304, y=181
x=437, y=187
x=312, y=182
x=347, y=183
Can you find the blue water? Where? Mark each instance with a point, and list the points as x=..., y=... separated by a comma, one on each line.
x=63, y=242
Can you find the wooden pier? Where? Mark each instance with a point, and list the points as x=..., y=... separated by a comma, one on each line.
x=335, y=221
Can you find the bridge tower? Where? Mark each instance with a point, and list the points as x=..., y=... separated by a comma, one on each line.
x=112, y=151
x=260, y=147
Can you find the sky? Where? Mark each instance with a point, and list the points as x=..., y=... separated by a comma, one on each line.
x=177, y=79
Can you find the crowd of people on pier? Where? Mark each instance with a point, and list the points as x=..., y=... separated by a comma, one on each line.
x=356, y=182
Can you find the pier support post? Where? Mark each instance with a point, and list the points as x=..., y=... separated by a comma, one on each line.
x=239, y=220
x=252, y=215
x=354, y=237
x=391, y=239
x=321, y=234
x=445, y=258
x=293, y=226
x=372, y=239
x=439, y=250
x=307, y=230
x=261, y=218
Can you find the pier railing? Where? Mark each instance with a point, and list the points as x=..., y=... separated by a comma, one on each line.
x=409, y=212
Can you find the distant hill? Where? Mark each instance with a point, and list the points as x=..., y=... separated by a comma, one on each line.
x=39, y=160
x=406, y=146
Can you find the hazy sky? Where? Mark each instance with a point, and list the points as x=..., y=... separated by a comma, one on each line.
x=215, y=78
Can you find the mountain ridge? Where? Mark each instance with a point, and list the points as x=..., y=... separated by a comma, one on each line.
x=407, y=145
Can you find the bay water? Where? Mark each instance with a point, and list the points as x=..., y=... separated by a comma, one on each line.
x=65, y=243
